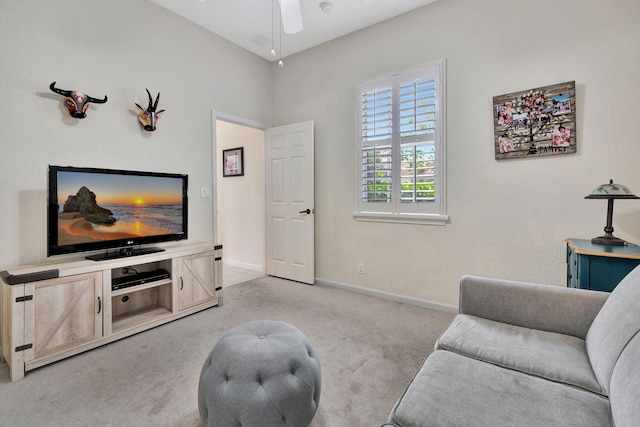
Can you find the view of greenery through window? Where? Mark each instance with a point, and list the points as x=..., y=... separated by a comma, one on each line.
x=418, y=173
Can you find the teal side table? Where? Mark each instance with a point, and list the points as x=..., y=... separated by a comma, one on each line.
x=599, y=267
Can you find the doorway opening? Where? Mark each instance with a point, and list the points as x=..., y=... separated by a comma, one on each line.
x=239, y=201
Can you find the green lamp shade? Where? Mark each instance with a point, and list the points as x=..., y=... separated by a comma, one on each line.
x=611, y=191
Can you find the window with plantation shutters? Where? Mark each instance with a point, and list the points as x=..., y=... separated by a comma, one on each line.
x=401, y=147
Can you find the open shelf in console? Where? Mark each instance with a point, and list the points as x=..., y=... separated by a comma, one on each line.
x=137, y=317
x=144, y=301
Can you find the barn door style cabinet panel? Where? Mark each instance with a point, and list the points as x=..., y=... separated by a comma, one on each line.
x=199, y=274
x=53, y=311
x=63, y=314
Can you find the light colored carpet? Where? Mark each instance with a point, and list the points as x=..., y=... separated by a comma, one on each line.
x=369, y=350
x=233, y=275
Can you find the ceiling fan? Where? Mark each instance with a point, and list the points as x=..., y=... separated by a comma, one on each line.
x=291, y=16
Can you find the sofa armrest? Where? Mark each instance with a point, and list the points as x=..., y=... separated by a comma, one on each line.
x=550, y=308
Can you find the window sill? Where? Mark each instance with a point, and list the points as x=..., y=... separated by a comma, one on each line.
x=424, y=219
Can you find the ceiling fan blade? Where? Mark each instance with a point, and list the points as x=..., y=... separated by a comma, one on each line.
x=291, y=16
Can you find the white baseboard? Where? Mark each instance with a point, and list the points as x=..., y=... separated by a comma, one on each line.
x=245, y=265
x=390, y=296
x=365, y=291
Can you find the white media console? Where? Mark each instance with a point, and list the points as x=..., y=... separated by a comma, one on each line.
x=53, y=311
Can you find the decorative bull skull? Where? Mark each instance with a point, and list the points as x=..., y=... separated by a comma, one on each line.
x=76, y=102
x=149, y=117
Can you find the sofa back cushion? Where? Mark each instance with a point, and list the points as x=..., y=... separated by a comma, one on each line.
x=615, y=325
x=625, y=383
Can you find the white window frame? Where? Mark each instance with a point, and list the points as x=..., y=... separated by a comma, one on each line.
x=432, y=212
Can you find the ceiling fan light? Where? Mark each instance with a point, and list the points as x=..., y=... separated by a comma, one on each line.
x=291, y=16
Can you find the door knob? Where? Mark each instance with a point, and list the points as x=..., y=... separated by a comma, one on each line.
x=307, y=211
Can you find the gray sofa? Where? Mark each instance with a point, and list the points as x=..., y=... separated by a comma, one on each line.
x=522, y=354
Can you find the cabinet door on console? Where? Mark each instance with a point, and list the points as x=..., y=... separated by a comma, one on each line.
x=65, y=312
x=197, y=279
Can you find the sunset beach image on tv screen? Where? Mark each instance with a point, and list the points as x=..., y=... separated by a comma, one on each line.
x=93, y=207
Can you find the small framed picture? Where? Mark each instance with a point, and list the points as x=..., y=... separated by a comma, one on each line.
x=233, y=162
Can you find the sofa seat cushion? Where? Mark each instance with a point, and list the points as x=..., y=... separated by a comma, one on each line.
x=454, y=390
x=556, y=357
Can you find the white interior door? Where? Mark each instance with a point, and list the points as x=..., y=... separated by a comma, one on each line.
x=290, y=202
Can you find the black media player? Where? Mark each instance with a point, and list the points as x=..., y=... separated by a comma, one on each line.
x=138, y=279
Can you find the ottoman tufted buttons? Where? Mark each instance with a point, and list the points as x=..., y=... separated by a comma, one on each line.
x=263, y=382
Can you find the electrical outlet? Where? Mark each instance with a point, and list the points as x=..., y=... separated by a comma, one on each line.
x=360, y=268
x=205, y=192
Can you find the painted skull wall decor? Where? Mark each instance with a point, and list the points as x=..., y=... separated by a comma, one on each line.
x=76, y=102
x=149, y=117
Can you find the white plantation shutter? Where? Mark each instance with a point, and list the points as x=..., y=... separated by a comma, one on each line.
x=417, y=171
x=376, y=107
x=417, y=109
x=401, y=146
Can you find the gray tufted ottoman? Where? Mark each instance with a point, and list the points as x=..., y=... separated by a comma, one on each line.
x=263, y=373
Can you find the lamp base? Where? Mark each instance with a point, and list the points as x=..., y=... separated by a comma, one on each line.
x=608, y=239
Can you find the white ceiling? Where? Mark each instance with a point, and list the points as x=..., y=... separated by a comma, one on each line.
x=247, y=23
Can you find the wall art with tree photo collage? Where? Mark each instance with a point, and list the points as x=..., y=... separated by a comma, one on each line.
x=535, y=122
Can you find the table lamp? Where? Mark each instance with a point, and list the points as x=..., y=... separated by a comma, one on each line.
x=610, y=191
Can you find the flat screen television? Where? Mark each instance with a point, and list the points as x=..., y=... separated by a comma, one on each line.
x=93, y=209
